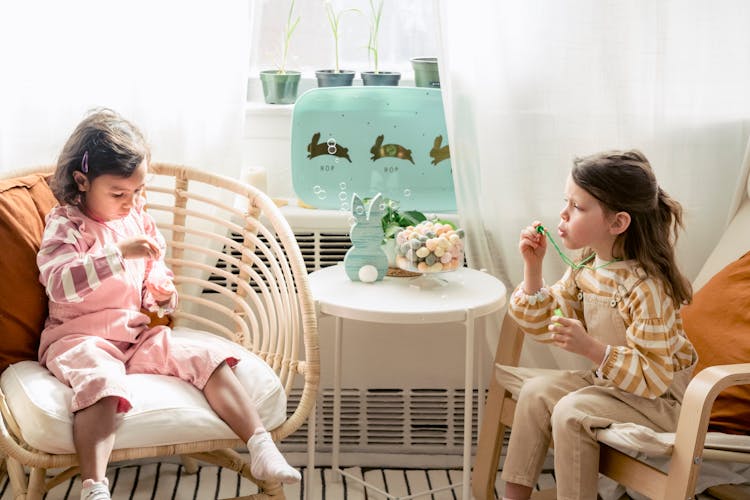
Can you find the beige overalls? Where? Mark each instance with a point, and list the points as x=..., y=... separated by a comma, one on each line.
x=567, y=407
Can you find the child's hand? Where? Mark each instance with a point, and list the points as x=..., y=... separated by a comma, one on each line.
x=532, y=244
x=162, y=289
x=139, y=247
x=569, y=334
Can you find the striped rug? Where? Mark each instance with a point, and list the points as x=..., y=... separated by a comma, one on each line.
x=167, y=480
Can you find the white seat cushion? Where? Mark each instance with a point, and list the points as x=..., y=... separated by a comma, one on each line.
x=166, y=410
x=631, y=437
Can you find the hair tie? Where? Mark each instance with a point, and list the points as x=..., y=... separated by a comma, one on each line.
x=85, y=163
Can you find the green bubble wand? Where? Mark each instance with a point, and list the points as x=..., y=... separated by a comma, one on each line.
x=575, y=265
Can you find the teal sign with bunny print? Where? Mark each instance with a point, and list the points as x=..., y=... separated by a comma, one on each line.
x=365, y=260
x=388, y=140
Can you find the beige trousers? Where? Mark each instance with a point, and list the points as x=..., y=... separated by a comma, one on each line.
x=567, y=407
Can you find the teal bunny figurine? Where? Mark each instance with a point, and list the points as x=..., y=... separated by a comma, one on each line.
x=365, y=260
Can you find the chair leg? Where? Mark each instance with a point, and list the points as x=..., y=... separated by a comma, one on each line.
x=492, y=431
x=190, y=464
x=490, y=444
x=37, y=488
x=18, y=480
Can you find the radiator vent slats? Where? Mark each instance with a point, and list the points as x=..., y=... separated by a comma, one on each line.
x=414, y=421
x=319, y=250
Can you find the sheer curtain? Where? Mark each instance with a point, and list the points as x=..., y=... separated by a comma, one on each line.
x=407, y=29
x=178, y=70
x=530, y=84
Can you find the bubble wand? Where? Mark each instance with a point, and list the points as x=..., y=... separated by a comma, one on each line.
x=575, y=265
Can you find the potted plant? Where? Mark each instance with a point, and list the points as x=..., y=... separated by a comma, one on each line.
x=377, y=77
x=335, y=77
x=280, y=85
x=426, y=72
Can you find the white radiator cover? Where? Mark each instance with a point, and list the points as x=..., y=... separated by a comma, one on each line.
x=402, y=385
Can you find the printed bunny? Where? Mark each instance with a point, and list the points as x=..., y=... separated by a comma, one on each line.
x=380, y=150
x=316, y=148
x=437, y=153
x=366, y=260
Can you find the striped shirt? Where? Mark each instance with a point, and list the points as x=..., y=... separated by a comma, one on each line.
x=75, y=259
x=656, y=346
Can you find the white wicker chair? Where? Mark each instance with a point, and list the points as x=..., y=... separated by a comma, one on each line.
x=213, y=226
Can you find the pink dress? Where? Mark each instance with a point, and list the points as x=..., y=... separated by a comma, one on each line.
x=95, y=334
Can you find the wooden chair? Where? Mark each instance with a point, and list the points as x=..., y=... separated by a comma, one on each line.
x=241, y=276
x=686, y=448
x=687, y=455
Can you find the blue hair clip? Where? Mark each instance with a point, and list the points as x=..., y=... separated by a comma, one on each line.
x=85, y=163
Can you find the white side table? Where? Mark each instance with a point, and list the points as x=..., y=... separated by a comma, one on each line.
x=466, y=296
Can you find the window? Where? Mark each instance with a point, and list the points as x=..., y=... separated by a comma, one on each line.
x=408, y=28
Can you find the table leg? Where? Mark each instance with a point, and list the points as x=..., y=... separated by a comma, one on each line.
x=310, y=454
x=468, y=404
x=481, y=367
x=336, y=399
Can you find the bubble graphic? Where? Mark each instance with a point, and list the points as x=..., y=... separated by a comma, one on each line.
x=343, y=196
x=359, y=210
x=407, y=192
x=332, y=150
x=322, y=194
x=344, y=207
x=317, y=189
x=342, y=186
x=331, y=141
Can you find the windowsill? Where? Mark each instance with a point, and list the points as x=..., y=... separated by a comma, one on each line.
x=256, y=105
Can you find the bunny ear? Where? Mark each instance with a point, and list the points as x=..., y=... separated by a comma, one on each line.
x=376, y=208
x=358, y=208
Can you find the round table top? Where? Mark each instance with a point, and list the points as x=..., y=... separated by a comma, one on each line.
x=438, y=298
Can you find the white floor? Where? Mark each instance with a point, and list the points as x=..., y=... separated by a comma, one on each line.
x=157, y=481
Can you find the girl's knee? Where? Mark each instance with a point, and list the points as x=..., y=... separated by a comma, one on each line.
x=567, y=412
x=533, y=391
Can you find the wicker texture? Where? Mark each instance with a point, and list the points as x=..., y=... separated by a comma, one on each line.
x=240, y=274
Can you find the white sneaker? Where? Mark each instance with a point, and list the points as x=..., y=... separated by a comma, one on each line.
x=95, y=491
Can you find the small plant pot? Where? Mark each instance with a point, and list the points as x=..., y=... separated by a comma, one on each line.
x=330, y=78
x=280, y=88
x=426, y=72
x=389, y=78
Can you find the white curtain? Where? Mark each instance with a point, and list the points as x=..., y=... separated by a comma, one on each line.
x=176, y=69
x=530, y=84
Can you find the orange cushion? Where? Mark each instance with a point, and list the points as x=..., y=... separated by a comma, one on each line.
x=24, y=202
x=717, y=322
